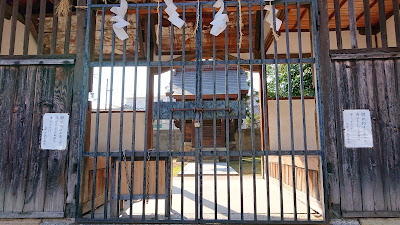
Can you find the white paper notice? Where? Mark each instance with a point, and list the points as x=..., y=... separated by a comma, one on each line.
x=357, y=128
x=55, y=131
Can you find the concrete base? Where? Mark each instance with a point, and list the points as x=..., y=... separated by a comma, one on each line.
x=208, y=169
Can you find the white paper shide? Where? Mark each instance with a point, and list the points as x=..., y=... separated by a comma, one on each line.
x=55, y=131
x=120, y=23
x=220, y=20
x=357, y=128
x=173, y=15
x=270, y=19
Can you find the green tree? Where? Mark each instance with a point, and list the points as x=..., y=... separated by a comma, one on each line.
x=283, y=80
x=283, y=86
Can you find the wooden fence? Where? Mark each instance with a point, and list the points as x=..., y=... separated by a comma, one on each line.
x=365, y=182
x=33, y=182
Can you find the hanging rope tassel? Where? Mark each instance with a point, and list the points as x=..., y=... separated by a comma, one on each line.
x=62, y=10
x=240, y=24
x=197, y=16
x=270, y=19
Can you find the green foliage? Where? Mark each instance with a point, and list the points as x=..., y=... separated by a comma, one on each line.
x=283, y=80
x=256, y=119
x=283, y=86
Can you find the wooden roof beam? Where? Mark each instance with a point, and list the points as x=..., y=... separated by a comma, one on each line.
x=301, y=17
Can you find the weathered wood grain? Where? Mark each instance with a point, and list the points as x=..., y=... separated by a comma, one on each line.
x=13, y=26
x=371, y=177
x=37, y=172
x=20, y=141
x=384, y=133
x=24, y=215
x=331, y=147
x=76, y=108
x=367, y=16
x=28, y=17
x=56, y=173
x=352, y=24
x=338, y=25
x=396, y=132
x=2, y=15
x=8, y=79
x=350, y=194
x=382, y=23
x=391, y=121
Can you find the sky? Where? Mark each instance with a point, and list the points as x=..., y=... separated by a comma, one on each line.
x=129, y=86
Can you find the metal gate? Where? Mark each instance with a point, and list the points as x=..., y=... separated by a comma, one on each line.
x=225, y=175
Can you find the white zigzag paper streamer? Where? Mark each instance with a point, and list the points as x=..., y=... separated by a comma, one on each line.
x=269, y=18
x=173, y=15
x=120, y=23
x=220, y=20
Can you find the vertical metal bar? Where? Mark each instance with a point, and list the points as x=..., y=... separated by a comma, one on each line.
x=169, y=176
x=13, y=26
x=121, y=123
x=320, y=119
x=338, y=24
x=200, y=104
x=109, y=130
x=53, y=46
x=265, y=114
x=134, y=111
x=183, y=113
x=227, y=119
x=83, y=113
x=396, y=18
x=146, y=114
x=28, y=21
x=2, y=15
x=197, y=120
x=238, y=15
x=382, y=23
x=290, y=109
x=278, y=120
x=158, y=106
x=303, y=106
x=68, y=31
x=215, y=128
x=42, y=15
x=96, y=138
x=367, y=16
x=253, y=149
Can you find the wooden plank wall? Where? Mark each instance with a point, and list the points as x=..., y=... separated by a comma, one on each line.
x=33, y=180
x=369, y=179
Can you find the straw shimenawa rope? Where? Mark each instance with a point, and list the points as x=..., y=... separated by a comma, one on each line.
x=240, y=24
x=197, y=16
x=63, y=8
x=159, y=20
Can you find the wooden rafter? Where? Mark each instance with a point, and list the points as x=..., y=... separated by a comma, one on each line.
x=301, y=17
x=340, y=6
